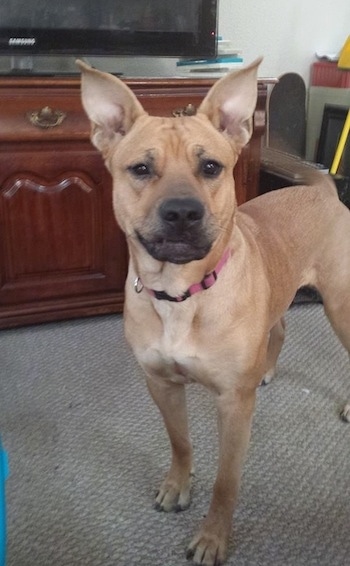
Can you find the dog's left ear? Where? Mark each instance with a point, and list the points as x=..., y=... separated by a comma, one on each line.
x=231, y=102
x=110, y=105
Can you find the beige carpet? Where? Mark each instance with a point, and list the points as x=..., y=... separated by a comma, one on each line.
x=87, y=451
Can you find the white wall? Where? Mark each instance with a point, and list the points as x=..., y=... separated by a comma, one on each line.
x=286, y=32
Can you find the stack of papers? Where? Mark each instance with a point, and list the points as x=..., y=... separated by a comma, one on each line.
x=228, y=59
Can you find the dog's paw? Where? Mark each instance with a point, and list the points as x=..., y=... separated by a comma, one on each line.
x=207, y=549
x=345, y=414
x=173, y=496
x=268, y=377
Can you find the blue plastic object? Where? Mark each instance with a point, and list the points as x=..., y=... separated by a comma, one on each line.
x=4, y=470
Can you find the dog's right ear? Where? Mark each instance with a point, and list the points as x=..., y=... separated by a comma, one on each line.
x=110, y=105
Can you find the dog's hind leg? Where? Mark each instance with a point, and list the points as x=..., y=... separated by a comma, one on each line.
x=345, y=414
x=338, y=312
x=276, y=340
x=340, y=321
x=174, y=492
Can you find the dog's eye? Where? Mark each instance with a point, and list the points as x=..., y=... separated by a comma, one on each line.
x=140, y=170
x=211, y=168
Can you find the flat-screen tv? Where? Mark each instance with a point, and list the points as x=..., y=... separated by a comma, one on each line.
x=170, y=28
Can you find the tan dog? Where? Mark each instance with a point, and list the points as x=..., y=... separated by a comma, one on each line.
x=239, y=269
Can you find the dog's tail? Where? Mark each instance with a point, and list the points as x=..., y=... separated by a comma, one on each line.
x=309, y=175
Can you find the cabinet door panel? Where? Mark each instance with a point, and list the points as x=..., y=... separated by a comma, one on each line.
x=57, y=229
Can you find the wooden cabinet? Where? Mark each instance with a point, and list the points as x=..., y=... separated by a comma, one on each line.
x=61, y=253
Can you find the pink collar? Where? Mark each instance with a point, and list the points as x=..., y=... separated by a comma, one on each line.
x=207, y=281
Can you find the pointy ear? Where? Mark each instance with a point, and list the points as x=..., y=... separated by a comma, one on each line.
x=110, y=105
x=231, y=102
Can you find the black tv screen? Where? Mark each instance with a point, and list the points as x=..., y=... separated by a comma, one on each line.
x=172, y=28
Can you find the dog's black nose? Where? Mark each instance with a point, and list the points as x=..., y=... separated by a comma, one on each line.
x=182, y=212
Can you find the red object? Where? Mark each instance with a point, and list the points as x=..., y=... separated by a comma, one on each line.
x=326, y=73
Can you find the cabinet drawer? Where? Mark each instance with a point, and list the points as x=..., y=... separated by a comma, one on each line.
x=170, y=104
x=43, y=115
x=34, y=115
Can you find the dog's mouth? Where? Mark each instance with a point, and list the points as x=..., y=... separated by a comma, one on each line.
x=179, y=230
x=175, y=250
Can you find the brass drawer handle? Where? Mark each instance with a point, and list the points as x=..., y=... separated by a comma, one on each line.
x=188, y=110
x=46, y=117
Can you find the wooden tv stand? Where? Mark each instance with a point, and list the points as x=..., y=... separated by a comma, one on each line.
x=61, y=253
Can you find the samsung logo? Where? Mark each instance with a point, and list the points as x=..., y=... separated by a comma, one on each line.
x=25, y=41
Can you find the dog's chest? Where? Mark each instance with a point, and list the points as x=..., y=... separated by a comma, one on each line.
x=173, y=353
x=179, y=369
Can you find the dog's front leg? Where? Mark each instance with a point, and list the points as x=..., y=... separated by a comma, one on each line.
x=235, y=410
x=174, y=493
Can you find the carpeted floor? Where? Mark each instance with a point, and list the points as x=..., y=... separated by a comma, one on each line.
x=87, y=451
